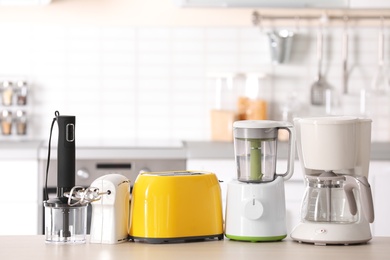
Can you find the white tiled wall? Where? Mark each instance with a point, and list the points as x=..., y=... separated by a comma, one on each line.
x=151, y=82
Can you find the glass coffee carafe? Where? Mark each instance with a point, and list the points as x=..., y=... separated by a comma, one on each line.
x=335, y=198
x=325, y=200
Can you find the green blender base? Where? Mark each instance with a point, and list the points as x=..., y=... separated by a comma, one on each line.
x=256, y=239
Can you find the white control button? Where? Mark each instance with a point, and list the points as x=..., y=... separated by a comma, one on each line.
x=253, y=209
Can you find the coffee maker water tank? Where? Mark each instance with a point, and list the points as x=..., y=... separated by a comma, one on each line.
x=339, y=144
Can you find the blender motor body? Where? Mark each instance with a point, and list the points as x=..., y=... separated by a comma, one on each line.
x=255, y=205
x=256, y=212
x=337, y=206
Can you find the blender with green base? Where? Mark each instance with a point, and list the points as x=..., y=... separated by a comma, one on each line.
x=255, y=205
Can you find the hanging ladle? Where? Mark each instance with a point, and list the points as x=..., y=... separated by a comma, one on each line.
x=320, y=88
x=380, y=82
x=345, y=56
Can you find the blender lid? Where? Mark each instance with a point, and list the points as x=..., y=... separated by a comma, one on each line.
x=258, y=124
x=60, y=203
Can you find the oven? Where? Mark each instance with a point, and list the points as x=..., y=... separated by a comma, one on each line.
x=127, y=162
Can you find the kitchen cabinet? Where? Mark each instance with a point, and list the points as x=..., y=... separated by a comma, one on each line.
x=19, y=197
x=379, y=178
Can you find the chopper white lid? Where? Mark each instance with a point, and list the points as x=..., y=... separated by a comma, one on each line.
x=258, y=124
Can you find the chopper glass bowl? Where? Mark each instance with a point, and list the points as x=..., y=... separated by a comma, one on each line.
x=255, y=147
x=64, y=223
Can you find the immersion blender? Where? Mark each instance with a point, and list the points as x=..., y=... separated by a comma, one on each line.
x=65, y=222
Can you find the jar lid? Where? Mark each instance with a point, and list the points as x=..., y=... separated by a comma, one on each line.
x=253, y=124
x=6, y=113
x=21, y=83
x=6, y=84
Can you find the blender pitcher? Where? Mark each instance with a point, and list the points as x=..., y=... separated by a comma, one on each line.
x=255, y=201
x=255, y=144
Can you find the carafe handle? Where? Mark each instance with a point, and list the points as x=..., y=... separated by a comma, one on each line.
x=291, y=152
x=362, y=185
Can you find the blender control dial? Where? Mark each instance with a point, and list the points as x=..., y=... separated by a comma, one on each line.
x=253, y=209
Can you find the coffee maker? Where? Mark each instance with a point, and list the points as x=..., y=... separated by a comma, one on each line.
x=337, y=206
x=255, y=204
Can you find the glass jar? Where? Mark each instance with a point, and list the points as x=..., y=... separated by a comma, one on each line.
x=6, y=122
x=252, y=102
x=223, y=114
x=21, y=122
x=21, y=93
x=7, y=93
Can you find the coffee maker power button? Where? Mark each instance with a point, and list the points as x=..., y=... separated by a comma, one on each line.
x=321, y=231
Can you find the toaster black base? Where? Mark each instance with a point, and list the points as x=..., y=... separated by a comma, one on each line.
x=176, y=239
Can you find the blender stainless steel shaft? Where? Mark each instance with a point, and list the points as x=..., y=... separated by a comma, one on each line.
x=66, y=154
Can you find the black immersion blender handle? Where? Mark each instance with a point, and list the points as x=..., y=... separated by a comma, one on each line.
x=66, y=154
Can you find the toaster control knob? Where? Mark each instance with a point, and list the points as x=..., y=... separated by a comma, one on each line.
x=82, y=174
x=253, y=209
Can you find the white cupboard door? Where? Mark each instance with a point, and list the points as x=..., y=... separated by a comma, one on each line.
x=19, y=197
x=380, y=180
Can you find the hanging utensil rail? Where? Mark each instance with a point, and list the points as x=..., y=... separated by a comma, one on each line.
x=257, y=17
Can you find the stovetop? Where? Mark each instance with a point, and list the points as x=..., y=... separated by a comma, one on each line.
x=119, y=149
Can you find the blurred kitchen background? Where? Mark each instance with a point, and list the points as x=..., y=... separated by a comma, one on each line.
x=154, y=85
x=150, y=69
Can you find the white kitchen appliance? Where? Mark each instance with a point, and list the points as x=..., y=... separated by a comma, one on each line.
x=255, y=205
x=110, y=214
x=337, y=206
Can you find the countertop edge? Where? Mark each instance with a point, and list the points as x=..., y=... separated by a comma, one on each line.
x=33, y=150
x=225, y=150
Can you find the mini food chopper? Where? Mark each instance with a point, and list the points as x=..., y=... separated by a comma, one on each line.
x=255, y=206
x=337, y=206
x=65, y=221
x=176, y=206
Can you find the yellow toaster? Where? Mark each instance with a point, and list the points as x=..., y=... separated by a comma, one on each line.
x=176, y=206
